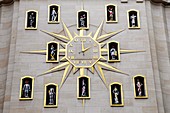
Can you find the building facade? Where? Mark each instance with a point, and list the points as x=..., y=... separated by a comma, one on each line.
x=143, y=51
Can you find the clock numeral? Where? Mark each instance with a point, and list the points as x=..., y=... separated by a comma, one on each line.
x=76, y=62
x=84, y=62
x=95, y=45
x=70, y=51
x=71, y=45
x=95, y=51
x=95, y=57
x=83, y=39
x=76, y=40
x=72, y=57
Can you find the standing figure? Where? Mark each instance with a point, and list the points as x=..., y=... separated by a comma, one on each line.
x=133, y=17
x=116, y=93
x=139, y=85
x=51, y=94
x=82, y=20
x=83, y=93
x=53, y=15
x=110, y=10
x=113, y=53
x=26, y=89
x=31, y=19
x=52, y=54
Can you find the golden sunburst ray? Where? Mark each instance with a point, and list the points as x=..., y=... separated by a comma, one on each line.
x=108, y=67
x=55, y=68
x=81, y=32
x=91, y=70
x=104, y=52
x=102, y=58
x=67, y=32
x=109, y=35
x=57, y=36
x=83, y=102
x=66, y=74
x=89, y=34
x=75, y=70
x=101, y=74
x=63, y=45
x=63, y=59
x=102, y=45
x=130, y=51
x=98, y=32
x=35, y=52
x=62, y=50
x=81, y=71
x=76, y=34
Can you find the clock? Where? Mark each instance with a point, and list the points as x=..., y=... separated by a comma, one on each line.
x=83, y=51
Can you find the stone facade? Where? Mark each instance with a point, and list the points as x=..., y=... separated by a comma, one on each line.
x=153, y=37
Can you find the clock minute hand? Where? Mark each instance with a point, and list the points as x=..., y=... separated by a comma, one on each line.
x=82, y=46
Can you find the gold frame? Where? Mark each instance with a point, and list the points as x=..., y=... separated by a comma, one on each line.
x=145, y=87
x=54, y=22
x=116, y=105
x=32, y=78
x=138, y=19
x=118, y=44
x=116, y=14
x=78, y=87
x=29, y=28
x=82, y=65
x=50, y=106
x=48, y=54
x=87, y=20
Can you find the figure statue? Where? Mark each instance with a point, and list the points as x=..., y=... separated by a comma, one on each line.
x=82, y=20
x=26, y=89
x=133, y=17
x=113, y=53
x=31, y=19
x=83, y=93
x=53, y=15
x=52, y=54
x=110, y=10
x=51, y=94
x=139, y=85
x=116, y=93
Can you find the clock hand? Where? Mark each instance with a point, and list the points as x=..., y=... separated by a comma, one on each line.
x=86, y=49
x=82, y=46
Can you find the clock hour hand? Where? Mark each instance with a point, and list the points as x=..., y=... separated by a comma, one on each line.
x=86, y=49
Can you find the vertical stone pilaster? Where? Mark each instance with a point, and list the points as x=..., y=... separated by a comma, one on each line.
x=161, y=45
x=5, y=38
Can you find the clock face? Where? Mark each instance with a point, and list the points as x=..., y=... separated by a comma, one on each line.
x=83, y=51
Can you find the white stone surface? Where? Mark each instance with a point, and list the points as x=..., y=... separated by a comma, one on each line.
x=152, y=38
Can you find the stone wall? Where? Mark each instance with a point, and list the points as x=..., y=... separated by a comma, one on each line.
x=152, y=37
